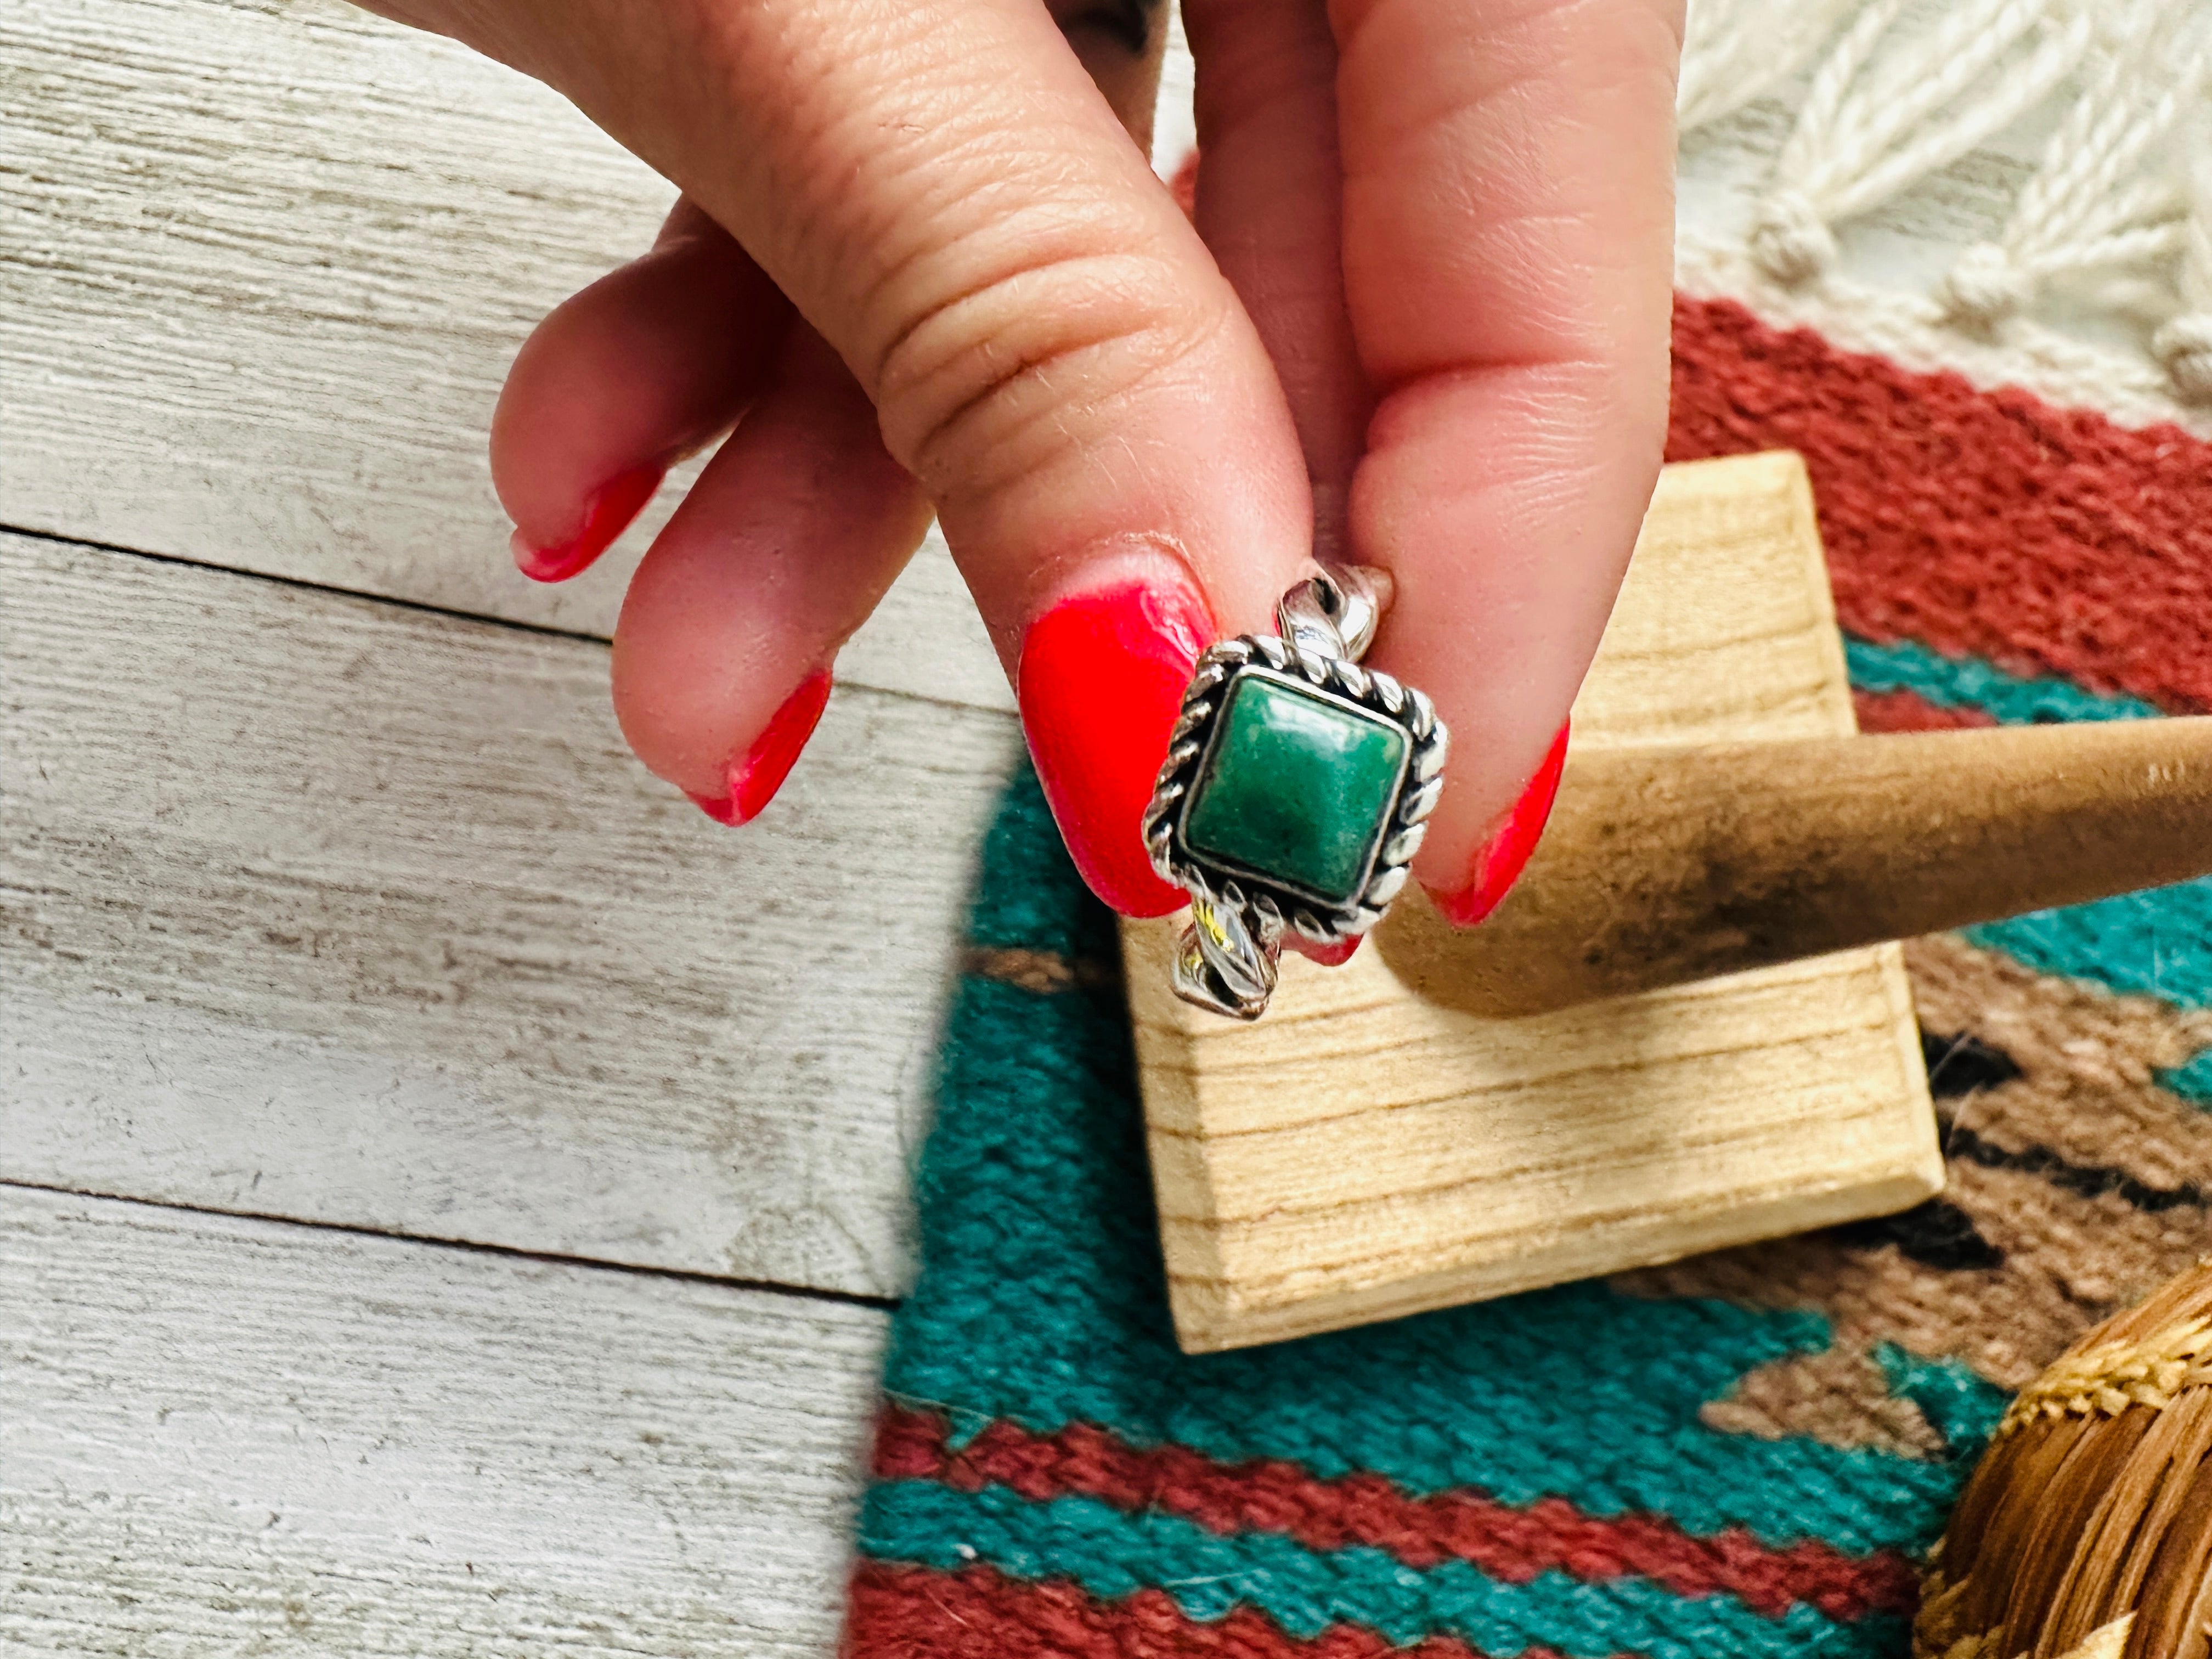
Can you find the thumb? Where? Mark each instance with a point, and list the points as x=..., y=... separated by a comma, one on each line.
x=946, y=196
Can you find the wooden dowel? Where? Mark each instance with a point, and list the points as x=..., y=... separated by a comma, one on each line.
x=1662, y=866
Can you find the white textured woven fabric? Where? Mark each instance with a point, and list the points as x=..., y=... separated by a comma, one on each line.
x=2028, y=182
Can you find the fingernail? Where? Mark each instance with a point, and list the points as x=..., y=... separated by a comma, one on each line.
x=757, y=773
x=608, y=511
x=1329, y=956
x=1102, y=677
x=1505, y=854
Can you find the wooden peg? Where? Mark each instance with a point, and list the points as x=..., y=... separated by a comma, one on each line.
x=1665, y=866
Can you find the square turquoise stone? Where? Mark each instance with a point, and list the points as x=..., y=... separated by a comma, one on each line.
x=1296, y=788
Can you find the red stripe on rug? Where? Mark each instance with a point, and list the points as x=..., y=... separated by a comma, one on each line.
x=1981, y=523
x=1908, y=711
x=1511, y=1544
x=911, y=1613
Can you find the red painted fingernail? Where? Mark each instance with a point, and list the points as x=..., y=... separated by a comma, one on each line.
x=608, y=511
x=1505, y=854
x=1329, y=956
x=1101, y=679
x=757, y=774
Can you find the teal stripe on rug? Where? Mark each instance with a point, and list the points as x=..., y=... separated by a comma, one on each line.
x=2157, y=943
x=1112, y=1553
x=2192, y=1080
x=1970, y=682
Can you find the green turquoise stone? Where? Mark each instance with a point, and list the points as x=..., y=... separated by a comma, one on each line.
x=1296, y=788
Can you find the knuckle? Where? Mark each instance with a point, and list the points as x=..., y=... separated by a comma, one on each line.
x=997, y=379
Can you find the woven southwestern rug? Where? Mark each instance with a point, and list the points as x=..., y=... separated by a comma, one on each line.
x=1739, y=1454
x=1746, y=1454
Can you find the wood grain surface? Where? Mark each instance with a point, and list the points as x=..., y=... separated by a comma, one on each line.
x=1362, y=1152
x=236, y=1436
x=324, y=907
x=361, y=914
x=266, y=264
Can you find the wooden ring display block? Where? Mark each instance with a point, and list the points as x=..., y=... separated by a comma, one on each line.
x=1361, y=1152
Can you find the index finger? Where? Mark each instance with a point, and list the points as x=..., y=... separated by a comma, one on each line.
x=944, y=195
x=1507, y=247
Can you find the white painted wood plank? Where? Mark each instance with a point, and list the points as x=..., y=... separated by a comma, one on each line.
x=319, y=907
x=232, y=1436
x=263, y=264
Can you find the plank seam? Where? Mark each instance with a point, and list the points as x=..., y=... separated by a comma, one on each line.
x=424, y=607
x=506, y=1252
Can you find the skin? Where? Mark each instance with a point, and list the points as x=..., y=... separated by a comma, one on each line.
x=1421, y=321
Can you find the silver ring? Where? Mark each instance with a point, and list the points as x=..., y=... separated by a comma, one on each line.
x=1336, y=612
x=1296, y=788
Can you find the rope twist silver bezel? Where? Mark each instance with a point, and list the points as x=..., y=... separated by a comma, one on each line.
x=1231, y=965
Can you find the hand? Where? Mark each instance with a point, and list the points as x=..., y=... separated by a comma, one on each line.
x=1420, y=322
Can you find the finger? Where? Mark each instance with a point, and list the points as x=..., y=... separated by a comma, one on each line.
x=946, y=196
x=655, y=360
x=648, y=364
x=1508, y=224
x=721, y=625
x=1268, y=202
x=785, y=543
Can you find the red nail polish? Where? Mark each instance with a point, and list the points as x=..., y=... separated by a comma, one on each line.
x=1505, y=855
x=757, y=774
x=1101, y=679
x=608, y=511
x=1329, y=956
